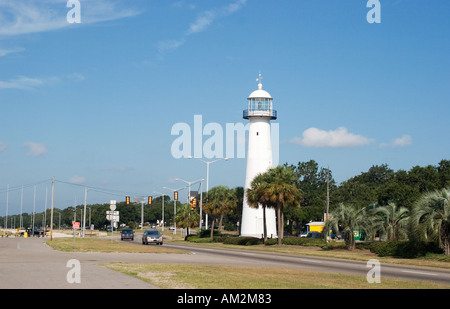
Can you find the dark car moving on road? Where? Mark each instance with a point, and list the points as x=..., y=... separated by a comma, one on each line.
x=127, y=234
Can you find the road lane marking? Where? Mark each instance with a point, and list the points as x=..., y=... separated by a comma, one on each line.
x=419, y=272
x=313, y=261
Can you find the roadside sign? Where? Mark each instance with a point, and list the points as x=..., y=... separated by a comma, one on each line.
x=112, y=215
x=76, y=225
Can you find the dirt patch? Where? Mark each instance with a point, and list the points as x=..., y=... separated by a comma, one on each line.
x=163, y=279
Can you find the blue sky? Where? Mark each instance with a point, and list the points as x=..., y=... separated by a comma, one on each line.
x=93, y=103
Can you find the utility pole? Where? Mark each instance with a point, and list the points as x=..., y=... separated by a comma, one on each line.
x=84, y=219
x=21, y=204
x=45, y=212
x=34, y=208
x=328, y=199
x=7, y=197
x=6, y=218
x=51, y=212
x=201, y=204
x=162, y=196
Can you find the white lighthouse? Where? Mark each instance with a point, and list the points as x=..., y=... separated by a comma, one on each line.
x=259, y=159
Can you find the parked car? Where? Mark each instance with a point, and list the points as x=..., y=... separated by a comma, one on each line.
x=127, y=234
x=152, y=236
x=304, y=234
x=313, y=235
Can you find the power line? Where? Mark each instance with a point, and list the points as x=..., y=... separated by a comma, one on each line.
x=114, y=192
x=19, y=187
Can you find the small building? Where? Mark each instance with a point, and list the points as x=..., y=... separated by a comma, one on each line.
x=315, y=226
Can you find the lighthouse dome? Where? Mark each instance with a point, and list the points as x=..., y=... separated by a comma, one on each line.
x=259, y=104
x=260, y=93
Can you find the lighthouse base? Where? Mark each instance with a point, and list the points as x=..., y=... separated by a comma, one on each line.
x=253, y=222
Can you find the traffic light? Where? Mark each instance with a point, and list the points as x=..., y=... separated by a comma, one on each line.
x=175, y=195
x=149, y=200
x=127, y=199
x=194, y=203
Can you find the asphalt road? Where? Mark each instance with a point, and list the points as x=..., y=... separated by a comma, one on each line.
x=29, y=263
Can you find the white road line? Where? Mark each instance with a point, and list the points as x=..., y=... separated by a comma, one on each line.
x=312, y=261
x=418, y=272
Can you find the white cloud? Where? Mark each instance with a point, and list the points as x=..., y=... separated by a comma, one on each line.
x=340, y=137
x=28, y=83
x=169, y=45
x=201, y=23
x=78, y=180
x=24, y=82
x=4, y=52
x=181, y=4
x=404, y=140
x=32, y=16
x=35, y=149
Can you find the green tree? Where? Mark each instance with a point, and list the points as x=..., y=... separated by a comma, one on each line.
x=312, y=182
x=187, y=218
x=394, y=220
x=221, y=201
x=256, y=197
x=275, y=188
x=430, y=218
x=349, y=218
x=443, y=170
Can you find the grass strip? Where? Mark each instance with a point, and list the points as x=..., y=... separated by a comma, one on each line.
x=183, y=276
x=106, y=245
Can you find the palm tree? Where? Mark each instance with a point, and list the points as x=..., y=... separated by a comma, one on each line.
x=349, y=218
x=221, y=201
x=256, y=197
x=430, y=218
x=275, y=188
x=394, y=220
x=186, y=218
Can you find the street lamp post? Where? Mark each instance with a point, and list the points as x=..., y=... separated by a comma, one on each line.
x=174, y=208
x=189, y=193
x=207, y=179
x=162, y=196
x=84, y=218
x=141, y=200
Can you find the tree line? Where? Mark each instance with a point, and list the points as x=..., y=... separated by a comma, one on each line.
x=412, y=205
x=378, y=187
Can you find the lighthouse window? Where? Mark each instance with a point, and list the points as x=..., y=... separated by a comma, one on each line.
x=259, y=105
x=257, y=133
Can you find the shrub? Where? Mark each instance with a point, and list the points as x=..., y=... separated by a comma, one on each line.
x=219, y=238
x=243, y=241
x=299, y=241
x=402, y=249
x=333, y=245
x=207, y=233
x=190, y=237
